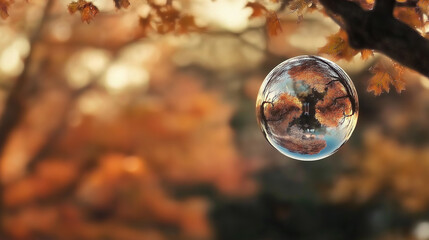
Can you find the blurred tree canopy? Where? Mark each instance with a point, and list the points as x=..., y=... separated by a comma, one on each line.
x=126, y=119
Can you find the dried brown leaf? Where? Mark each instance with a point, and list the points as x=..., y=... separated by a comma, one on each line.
x=258, y=9
x=273, y=24
x=410, y=16
x=424, y=6
x=366, y=53
x=87, y=10
x=338, y=47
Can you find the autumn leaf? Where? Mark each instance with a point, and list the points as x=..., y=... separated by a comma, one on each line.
x=366, y=53
x=379, y=82
x=409, y=16
x=4, y=4
x=273, y=24
x=399, y=81
x=122, y=3
x=75, y=6
x=384, y=76
x=424, y=6
x=88, y=13
x=166, y=19
x=338, y=47
x=258, y=9
x=272, y=21
x=86, y=9
x=365, y=4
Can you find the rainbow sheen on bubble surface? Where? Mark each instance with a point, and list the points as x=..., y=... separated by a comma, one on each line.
x=307, y=107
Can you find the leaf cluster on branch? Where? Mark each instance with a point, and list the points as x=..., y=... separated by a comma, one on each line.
x=395, y=28
x=167, y=19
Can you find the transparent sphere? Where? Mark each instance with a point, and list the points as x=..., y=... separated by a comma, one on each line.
x=307, y=107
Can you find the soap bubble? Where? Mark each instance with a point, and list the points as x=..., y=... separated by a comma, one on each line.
x=307, y=107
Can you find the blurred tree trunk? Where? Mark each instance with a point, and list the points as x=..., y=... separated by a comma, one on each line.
x=15, y=104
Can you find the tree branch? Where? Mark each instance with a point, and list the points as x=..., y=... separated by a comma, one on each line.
x=378, y=29
x=384, y=7
x=409, y=3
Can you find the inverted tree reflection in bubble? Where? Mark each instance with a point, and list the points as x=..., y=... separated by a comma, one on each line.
x=307, y=107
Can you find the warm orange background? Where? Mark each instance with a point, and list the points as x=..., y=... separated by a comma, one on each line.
x=130, y=137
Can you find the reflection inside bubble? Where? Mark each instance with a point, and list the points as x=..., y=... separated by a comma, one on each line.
x=307, y=107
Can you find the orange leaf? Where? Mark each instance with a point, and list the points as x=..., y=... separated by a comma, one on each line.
x=166, y=19
x=273, y=24
x=86, y=9
x=77, y=6
x=88, y=13
x=122, y=3
x=424, y=6
x=365, y=4
x=399, y=81
x=4, y=4
x=338, y=47
x=366, y=53
x=257, y=9
x=410, y=16
x=379, y=82
x=383, y=77
x=74, y=7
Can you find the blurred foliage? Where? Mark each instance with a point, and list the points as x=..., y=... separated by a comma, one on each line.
x=141, y=125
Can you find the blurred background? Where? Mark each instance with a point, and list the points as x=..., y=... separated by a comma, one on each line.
x=115, y=132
